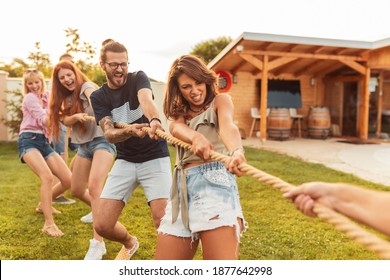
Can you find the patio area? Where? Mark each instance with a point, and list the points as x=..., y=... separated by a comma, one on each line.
x=370, y=162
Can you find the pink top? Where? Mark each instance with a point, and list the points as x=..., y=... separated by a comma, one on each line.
x=35, y=112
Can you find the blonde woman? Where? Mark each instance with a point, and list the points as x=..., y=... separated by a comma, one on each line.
x=35, y=150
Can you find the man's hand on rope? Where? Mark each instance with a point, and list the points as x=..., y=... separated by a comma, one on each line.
x=136, y=129
x=155, y=124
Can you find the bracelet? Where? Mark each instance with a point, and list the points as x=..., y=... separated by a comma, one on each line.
x=237, y=149
x=155, y=119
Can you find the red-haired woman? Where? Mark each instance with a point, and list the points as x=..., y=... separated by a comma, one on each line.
x=70, y=104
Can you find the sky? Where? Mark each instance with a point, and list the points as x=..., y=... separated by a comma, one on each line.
x=156, y=32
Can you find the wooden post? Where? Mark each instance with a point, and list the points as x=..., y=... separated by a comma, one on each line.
x=380, y=101
x=263, y=101
x=363, y=131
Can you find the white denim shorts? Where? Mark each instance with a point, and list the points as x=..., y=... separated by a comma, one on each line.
x=213, y=202
x=155, y=177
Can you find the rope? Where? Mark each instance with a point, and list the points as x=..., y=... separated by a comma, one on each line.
x=340, y=222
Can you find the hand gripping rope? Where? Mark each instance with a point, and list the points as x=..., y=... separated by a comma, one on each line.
x=368, y=240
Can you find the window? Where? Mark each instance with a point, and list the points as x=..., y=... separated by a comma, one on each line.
x=284, y=94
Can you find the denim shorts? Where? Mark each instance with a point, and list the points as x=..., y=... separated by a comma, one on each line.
x=213, y=202
x=59, y=146
x=29, y=141
x=155, y=177
x=87, y=150
x=72, y=146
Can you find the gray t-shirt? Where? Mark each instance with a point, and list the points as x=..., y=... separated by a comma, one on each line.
x=92, y=130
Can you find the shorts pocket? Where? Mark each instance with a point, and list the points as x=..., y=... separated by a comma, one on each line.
x=218, y=177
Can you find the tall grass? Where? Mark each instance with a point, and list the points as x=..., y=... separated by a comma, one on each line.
x=277, y=231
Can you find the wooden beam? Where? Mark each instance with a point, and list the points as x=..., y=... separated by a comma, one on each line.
x=318, y=49
x=268, y=45
x=252, y=60
x=354, y=65
x=284, y=68
x=280, y=61
x=303, y=55
x=307, y=68
x=327, y=69
x=290, y=48
x=345, y=79
x=263, y=101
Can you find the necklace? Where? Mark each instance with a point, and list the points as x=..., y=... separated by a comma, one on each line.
x=196, y=111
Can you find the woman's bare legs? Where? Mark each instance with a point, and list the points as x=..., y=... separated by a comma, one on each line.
x=171, y=247
x=220, y=244
x=41, y=168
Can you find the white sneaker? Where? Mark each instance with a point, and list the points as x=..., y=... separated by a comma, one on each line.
x=87, y=218
x=96, y=250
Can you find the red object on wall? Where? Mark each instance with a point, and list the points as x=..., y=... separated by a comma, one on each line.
x=224, y=81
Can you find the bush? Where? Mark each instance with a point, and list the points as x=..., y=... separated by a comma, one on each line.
x=15, y=113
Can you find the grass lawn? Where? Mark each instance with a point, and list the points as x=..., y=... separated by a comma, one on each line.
x=277, y=231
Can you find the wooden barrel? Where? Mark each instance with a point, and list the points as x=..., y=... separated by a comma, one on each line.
x=279, y=123
x=319, y=122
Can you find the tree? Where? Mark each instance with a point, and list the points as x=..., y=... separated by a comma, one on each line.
x=207, y=50
x=15, y=112
x=86, y=65
x=15, y=68
x=40, y=60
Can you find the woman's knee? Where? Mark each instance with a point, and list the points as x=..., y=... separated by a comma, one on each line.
x=78, y=191
x=47, y=179
x=66, y=182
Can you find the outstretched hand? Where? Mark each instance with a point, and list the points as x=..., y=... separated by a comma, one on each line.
x=306, y=195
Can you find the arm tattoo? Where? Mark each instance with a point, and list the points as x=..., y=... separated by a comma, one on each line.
x=113, y=134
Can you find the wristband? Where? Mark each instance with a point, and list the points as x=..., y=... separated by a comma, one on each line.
x=154, y=119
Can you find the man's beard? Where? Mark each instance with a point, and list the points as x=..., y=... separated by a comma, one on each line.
x=115, y=81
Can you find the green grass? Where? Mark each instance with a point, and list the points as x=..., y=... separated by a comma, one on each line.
x=277, y=231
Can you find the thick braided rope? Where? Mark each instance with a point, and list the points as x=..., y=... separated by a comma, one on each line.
x=340, y=222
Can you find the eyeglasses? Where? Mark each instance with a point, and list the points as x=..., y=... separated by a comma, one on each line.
x=114, y=65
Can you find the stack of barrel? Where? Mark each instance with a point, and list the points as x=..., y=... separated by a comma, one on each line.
x=279, y=123
x=318, y=123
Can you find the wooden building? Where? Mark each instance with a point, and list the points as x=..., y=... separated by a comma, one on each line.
x=350, y=78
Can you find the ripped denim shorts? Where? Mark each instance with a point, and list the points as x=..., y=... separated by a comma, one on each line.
x=213, y=202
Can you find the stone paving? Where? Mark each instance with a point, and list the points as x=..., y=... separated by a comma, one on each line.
x=367, y=161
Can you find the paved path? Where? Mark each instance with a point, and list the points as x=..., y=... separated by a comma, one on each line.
x=367, y=161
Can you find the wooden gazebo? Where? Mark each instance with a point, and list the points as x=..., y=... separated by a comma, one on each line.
x=322, y=66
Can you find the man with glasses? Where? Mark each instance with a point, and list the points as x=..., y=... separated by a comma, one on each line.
x=141, y=158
